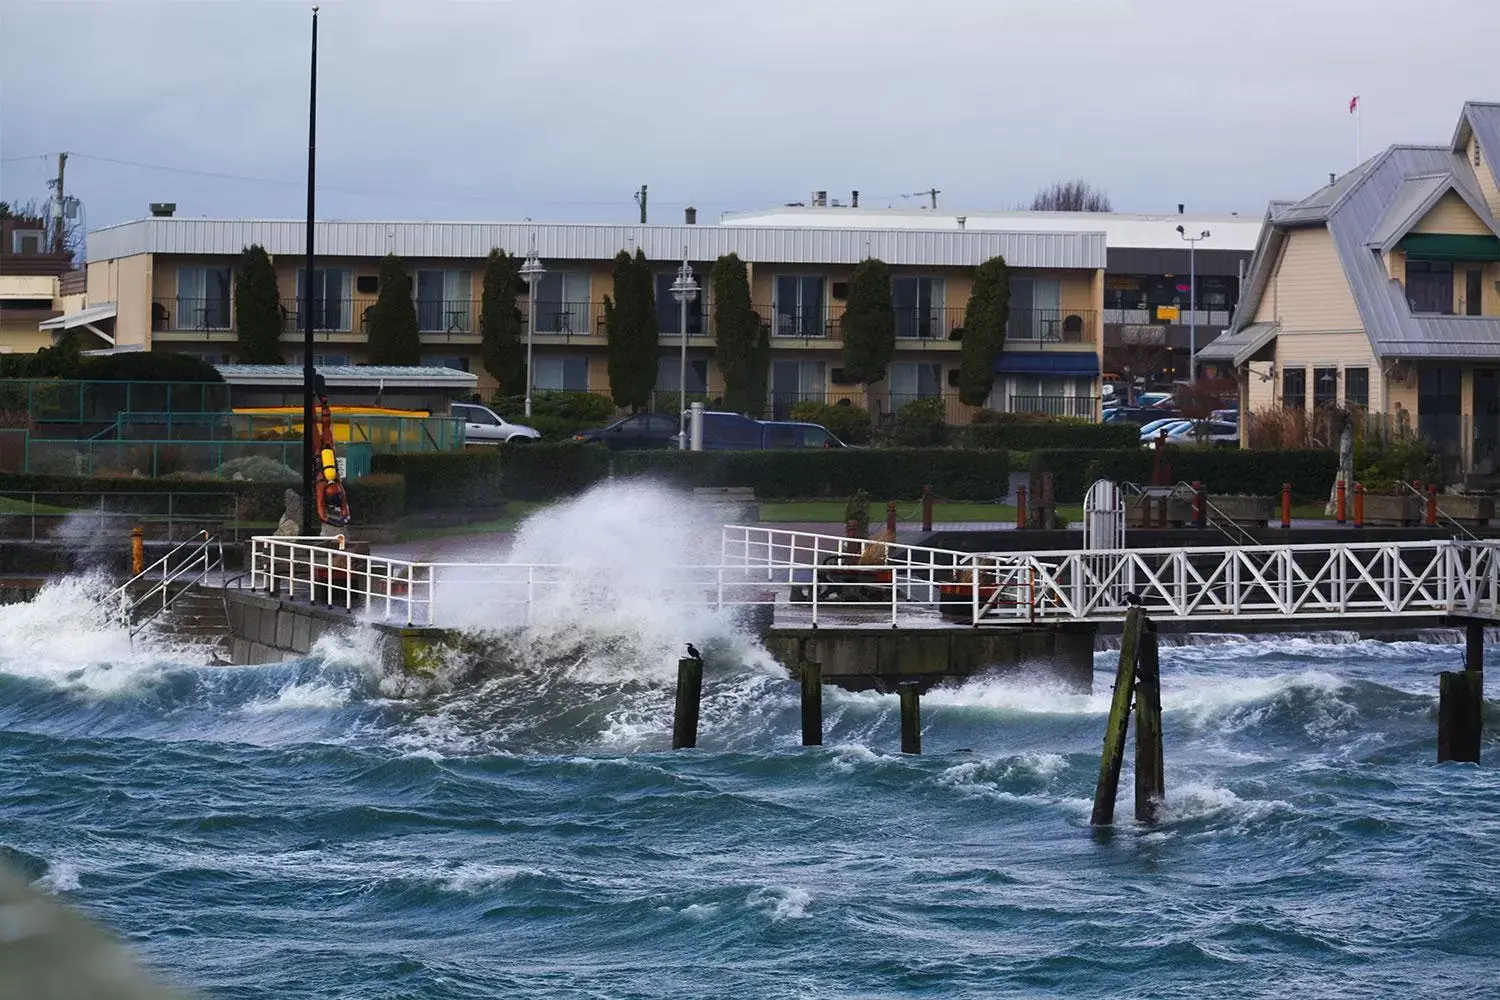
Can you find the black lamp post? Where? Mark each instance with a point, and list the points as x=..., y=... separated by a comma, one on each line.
x=309, y=373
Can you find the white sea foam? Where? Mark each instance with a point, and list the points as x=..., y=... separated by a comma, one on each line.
x=59, y=877
x=781, y=903
x=302, y=696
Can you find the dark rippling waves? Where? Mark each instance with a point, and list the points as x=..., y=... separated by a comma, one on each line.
x=314, y=829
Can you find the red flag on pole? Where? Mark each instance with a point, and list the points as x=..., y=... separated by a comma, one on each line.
x=1353, y=104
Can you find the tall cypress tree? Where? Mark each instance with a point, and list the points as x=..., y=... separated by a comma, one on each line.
x=631, y=328
x=257, y=308
x=500, y=323
x=869, y=324
x=743, y=353
x=394, y=335
x=984, y=331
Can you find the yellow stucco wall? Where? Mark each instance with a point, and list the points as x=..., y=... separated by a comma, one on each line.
x=1453, y=216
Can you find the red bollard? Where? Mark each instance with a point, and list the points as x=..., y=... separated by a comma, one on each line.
x=1200, y=505
x=927, y=508
x=1340, y=504
x=1359, y=506
x=1286, y=505
x=1020, y=506
x=851, y=529
x=1431, y=505
x=890, y=516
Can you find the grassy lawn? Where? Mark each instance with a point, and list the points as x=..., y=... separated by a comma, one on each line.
x=15, y=505
x=516, y=511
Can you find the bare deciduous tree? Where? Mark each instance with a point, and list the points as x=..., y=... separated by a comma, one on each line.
x=1071, y=196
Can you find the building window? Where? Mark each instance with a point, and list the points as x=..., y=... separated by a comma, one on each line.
x=455, y=361
x=911, y=381
x=1325, y=387
x=1035, y=310
x=333, y=360
x=1357, y=387
x=562, y=303
x=668, y=310
x=799, y=306
x=1429, y=286
x=203, y=298
x=919, y=307
x=561, y=374
x=1294, y=388
x=443, y=303
x=668, y=368
x=332, y=308
x=1473, y=292
x=26, y=241
x=794, y=382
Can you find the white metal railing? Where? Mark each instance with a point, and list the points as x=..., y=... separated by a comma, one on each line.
x=185, y=565
x=816, y=576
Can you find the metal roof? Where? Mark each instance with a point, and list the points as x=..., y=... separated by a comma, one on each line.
x=93, y=314
x=1366, y=210
x=1238, y=347
x=370, y=376
x=1122, y=230
x=579, y=241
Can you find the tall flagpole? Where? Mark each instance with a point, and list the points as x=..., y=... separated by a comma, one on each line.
x=309, y=374
x=1354, y=107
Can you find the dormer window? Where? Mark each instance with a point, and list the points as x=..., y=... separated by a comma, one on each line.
x=27, y=241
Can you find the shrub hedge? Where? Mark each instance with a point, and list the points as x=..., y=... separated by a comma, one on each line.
x=258, y=501
x=377, y=499
x=1018, y=431
x=883, y=473
x=483, y=477
x=1221, y=470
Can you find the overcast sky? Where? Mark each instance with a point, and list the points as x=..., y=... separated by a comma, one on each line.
x=560, y=109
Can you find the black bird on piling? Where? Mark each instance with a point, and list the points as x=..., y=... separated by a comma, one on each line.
x=693, y=652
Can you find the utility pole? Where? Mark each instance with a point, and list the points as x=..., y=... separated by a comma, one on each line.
x=933, y=193
x=640, y=199
x=59, y=236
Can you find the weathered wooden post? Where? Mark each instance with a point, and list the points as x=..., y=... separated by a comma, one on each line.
x=911, y=717
x=1119, y=721
x=1150, y=773
x=890, y=517
x=927, y=508
x=1474, y=645
x=689, y=694
x=1460, y=714
x=812, y=703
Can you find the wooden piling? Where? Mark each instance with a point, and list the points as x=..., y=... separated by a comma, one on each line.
x=1460, y=714
x=689, y=694
x=1150, y=774
x=1119, y=721
x=812, y=703
x=911, y=717
x=1474, y=645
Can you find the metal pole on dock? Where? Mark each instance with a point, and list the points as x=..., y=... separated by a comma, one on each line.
x=1359, y=505
x=1119, y=721
x=1020, y=507
x=1286, y=505
x=911, y=717
x=689, y=695
x=812, y=703
x=1150, y=774
x=927, y=508
x=1341, y=502
x=890, y=517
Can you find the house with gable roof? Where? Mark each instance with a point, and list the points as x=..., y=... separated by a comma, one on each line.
x=1381, y=291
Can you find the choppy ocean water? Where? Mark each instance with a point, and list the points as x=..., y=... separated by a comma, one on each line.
x=321, y=829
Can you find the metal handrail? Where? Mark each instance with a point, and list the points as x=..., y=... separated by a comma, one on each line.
x=1440, y=512
x=207, y=550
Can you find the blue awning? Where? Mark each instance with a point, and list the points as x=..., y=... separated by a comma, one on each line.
x=1048, y=363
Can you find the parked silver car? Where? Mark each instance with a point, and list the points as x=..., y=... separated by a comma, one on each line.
x=483, y=425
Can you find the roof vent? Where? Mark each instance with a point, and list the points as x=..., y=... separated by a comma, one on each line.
x=690, y=216
x=163, y=209
x=820, y=199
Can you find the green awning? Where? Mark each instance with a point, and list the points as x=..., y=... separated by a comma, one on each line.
x=1441, y=246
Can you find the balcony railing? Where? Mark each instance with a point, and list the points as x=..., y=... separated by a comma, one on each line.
x=1084, y=407
x=447, y=316
x=186, y=314
x=825, y=322
x=1052, y=326
x=328, y=315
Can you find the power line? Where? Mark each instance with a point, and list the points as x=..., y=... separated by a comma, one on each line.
x=33, y=156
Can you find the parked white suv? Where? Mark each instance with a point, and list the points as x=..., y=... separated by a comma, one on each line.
x=483, y=425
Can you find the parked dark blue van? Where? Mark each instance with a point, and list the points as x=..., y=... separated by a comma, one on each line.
x=721, y=432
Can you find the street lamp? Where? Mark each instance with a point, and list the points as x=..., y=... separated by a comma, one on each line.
x=1192, y=242
x=684, y=290
x=531, y=273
